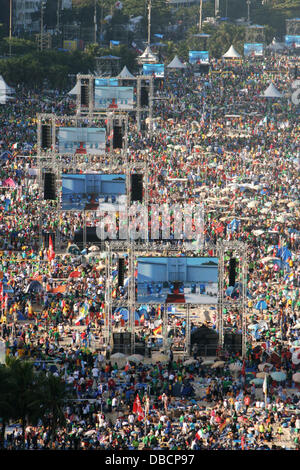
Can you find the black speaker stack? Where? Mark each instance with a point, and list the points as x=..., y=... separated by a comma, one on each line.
x=233, y=342
x=232, y=271
x=136, y=188
x=46, y=136
x=118, y=137
x=49, y=186
x=144, y=97
x=121, y=268
x=122, y=342
x=91, y=237
x=84, y=95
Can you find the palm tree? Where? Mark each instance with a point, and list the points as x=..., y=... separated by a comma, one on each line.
x=6, y=408
x=52, y=397
x=24, y=385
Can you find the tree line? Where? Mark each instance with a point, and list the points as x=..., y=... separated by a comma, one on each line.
x=31, y=398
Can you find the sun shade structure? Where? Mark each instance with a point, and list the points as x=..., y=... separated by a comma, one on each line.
x=231, y=53
x=6, y=91
x=176, y=64
x=271, y=92
x=125, y=73
x=148, y=57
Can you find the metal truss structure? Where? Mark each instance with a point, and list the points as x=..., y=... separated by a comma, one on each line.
x=89, y=110
x=239, y=251
x=109, y=119
x=59, y=164
x=133, y=250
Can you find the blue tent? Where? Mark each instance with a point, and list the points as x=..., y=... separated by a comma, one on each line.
x=6, y=155
x=233, y=225
x=261, y=305
x=284, y=253
x=143, y=311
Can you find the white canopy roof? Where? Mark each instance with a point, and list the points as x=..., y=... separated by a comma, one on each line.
x=4, y=88
x=272, y=92
x=276, y=46
x=176, y=64
x=231, y=53
x=5, y=91
x=148, y=57
x=125, y=73
x=74, y=90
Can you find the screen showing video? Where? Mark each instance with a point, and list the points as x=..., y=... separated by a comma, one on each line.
x=81, y=140
x=91, y=191
x=113, y=97
x=190, y=280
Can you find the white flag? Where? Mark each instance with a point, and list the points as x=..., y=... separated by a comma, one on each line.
x=265, y=388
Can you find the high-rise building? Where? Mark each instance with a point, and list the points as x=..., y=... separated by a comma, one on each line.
x=23, y=10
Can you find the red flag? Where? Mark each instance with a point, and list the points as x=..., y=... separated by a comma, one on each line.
x=4, y=301
x=50, y=253
x=1, y=293
x=137, y=408
x=243, y=368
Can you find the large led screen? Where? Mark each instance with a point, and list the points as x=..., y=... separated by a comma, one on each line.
x=87, y=191
x=113, y=97
x=190, y=280
x=81, y=140
x=292, y=41
x=158, y=70
x=198, y=57
x=253, y=49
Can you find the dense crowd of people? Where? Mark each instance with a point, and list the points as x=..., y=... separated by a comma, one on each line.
x=216, y=140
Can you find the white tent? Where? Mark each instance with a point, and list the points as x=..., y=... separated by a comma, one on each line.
x=125, y=73
x=6, y=91
x=148, y=57
x=276, y=46
x=176, y=64
x=231, y=53
x=271, y=92
x=74, y=90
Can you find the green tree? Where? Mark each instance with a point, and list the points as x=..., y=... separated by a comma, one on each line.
x=6, y=407
x=52, y=398
x=24, y=386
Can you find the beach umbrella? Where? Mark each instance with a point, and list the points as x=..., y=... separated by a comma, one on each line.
x=262, y=375
x=208, y=362
x=189, y=362
x=90, y=432
x=296, y=357
x=74, y=250
x=278, y=376
x=235, y=367
x=136, y=358
x=252, y=204
x=75, y=274
x=296, y=377
x=118, y=355
x=269, y=259
x=257, y=381
x=265, y=366
x=35, y=286
x=94, y=248
x=217, y=364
